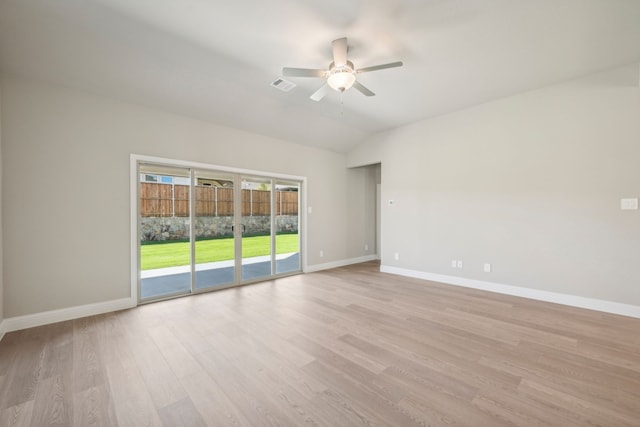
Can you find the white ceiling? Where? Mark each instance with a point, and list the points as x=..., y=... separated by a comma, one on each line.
x=215, y=59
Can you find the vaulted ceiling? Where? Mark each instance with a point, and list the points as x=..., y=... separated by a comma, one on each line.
x=215, y=59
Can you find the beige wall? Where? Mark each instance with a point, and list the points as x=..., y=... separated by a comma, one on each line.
x=66, y=154
x=531, y=184
x=1, y=244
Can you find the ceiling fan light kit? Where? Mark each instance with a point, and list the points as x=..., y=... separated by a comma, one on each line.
x=341, y=78
x=341, y=75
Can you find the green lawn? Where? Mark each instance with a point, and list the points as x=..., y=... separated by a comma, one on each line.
x=174, y=254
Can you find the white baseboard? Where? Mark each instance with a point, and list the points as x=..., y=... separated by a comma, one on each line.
x=341, y=263
x=47, y=317
x=558, y=298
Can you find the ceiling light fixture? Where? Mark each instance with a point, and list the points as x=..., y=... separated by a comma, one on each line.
x=341, y=78
x=341, y=75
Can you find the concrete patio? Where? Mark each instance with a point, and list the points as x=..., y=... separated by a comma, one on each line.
x=176, y=280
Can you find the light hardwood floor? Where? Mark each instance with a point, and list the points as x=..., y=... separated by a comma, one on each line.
x=349, y=346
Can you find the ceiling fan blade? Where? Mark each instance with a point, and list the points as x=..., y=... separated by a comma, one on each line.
x=339, y=48
x=362, y=89
x=320, y=93
x=380, y=67
x=302, y=72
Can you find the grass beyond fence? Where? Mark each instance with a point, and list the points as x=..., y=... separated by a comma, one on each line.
x=175, y=254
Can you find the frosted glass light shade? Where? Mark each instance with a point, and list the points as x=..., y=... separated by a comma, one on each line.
x=341, y=79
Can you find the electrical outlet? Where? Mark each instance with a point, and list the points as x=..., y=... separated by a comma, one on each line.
x=321, y=253
x=396, y=256
x=459, y=264
x=366, y=247
x=487, y=268
x=454, y=263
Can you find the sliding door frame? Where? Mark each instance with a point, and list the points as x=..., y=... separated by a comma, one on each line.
x=136, y=159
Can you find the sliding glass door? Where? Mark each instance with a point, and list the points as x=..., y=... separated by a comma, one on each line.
x=287, y=236
x=214, y=229
x=204, y=229
x=165, y=233
x=270, y=231
x=256, y=228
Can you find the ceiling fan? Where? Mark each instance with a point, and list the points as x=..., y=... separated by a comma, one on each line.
x=341, y=74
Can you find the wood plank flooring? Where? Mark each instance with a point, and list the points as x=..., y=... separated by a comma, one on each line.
x=343, y=347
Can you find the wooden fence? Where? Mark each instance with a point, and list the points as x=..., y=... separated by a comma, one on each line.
x=167, y=200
